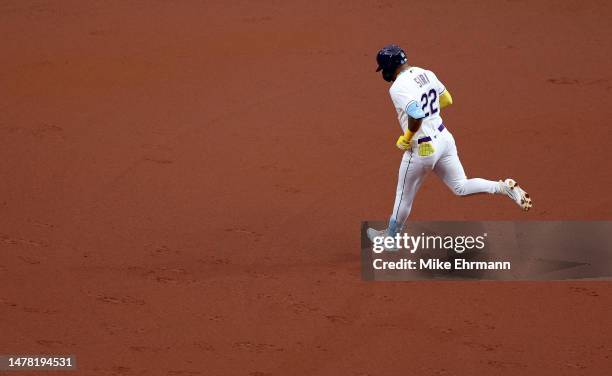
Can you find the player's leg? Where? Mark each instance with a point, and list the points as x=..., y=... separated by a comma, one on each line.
x=411, y=174
x=410, y=177
x=450, y=170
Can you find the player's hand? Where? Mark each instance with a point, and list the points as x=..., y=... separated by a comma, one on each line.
x=403, y=143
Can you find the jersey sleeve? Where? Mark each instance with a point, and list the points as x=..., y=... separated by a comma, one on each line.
x=405, y=101
x=402, y=97
x=439, y=86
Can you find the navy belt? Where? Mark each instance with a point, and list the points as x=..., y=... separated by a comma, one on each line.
x=428, y=139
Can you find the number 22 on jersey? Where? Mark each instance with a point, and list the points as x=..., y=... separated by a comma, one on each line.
x=428, y=102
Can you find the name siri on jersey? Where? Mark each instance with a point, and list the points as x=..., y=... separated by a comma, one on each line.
x=421, y=79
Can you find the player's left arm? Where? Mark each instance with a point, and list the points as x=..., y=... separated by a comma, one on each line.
x=415, y=118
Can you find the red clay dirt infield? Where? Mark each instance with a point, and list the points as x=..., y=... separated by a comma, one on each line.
x=182, y=184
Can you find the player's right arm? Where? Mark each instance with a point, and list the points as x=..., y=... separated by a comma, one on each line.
x=445, y=96
x=445, y=99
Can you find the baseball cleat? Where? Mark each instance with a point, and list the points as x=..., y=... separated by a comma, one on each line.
x=373, y=234
x=516, y=193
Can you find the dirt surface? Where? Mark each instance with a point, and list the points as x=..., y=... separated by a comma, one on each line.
x=182, y=184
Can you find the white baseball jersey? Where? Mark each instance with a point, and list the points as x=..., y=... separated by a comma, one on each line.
x=438, y=153
x=422, y=87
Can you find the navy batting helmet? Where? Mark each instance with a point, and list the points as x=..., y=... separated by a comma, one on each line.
x=389, y=58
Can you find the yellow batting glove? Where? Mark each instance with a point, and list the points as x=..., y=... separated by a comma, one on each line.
x=403, y=142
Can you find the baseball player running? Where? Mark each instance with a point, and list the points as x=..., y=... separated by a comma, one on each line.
x=418, y=97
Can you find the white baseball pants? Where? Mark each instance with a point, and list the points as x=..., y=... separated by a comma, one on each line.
x=445, y=163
